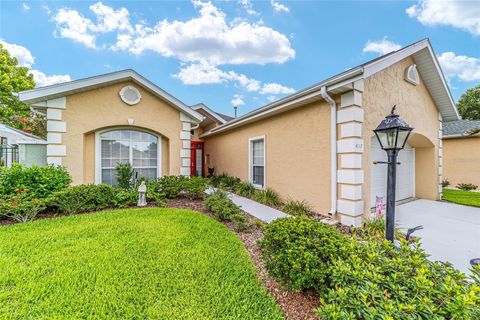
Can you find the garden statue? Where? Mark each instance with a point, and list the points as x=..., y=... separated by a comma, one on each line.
x=142, y=191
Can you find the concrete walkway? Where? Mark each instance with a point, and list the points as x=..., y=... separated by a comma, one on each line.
x=451, y=231
x=253, y=208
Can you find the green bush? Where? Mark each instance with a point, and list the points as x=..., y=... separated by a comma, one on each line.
x=297, y=208
x=225, y=210
x=377, y=227
x=225, y=181
x=83, y=198
x=298, y=252
x=194, y=187
x=375, y=280
x=467, y=186
x=20, y=208
x=268, y=197
x=124, y=174
x=124, y=198
x=39, y=182
x=445, y=183
x=171, y=186
x=245, y=189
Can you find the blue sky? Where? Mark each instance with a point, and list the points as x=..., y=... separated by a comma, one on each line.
x=243, y=53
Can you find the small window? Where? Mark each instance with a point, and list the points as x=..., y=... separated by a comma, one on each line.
x=257, y=162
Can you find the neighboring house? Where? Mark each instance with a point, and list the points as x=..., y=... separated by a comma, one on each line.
x=21, y=147
x=315, y=145
x=461, y=152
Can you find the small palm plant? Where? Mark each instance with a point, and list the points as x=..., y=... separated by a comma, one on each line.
x=245, y=189
x=297, y=208
x=268, y=197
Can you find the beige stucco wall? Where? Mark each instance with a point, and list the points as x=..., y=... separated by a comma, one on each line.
x=297, y=146
x=461, y=160
x=415, y=105
x=93, y=110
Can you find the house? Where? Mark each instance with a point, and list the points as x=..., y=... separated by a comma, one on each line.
x=461, y=152
x=315, y=145
x=17, y=146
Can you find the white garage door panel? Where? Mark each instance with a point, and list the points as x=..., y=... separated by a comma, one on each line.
x=405, y=187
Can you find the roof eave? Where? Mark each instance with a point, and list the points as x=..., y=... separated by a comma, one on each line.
x=35, y=96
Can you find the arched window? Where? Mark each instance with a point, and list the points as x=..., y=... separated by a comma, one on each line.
x=138, y=148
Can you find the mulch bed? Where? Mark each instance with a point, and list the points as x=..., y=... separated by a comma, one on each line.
x=295, y=305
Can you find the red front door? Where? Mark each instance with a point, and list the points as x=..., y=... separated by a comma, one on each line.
x=197, y=165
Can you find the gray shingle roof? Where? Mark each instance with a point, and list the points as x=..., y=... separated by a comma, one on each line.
x=459, y=127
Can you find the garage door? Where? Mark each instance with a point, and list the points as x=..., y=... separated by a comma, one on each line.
x=405, y=173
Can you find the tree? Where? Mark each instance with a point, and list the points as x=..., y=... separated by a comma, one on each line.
x=14, y=113
x=469, y=104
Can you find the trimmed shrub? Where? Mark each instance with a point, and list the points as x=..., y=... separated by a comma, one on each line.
x=170, y=186
x=83, y=198
x=124, y=174
x=225, y=181
x=245, y=189
x=194, y=187
x=296, y=208
x=299, y=251
x=124, y=198
x=225, y=210
x=19, y=208
x=467, y=186
x=39, y=182
x=268, y=197
x=376, y=280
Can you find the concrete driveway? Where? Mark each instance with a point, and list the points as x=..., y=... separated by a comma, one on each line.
x=451, y=231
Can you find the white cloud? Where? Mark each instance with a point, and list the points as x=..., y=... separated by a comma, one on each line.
x=47, y=9
x=206, y=73
x=72, y=25
x=25, y=6
x=278, y=7
x=23, y=55
x=462, y=67
x=109, y=20
x=464, y=15
x=237, y=100
x=26, y=59
x=275, y=88
x=210, y=37
x=383, y=46
x=247, y=5
x=41, y=79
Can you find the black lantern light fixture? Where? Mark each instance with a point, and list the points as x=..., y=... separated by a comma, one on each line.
x=392, y=134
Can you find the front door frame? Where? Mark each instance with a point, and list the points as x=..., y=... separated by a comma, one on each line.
x=196, y=145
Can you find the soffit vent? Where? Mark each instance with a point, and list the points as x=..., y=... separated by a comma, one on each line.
x=411, y=75
x=130, y=95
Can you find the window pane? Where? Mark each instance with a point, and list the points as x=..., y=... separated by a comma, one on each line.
x=257, y=175
x=257, y=152
x=123, y=146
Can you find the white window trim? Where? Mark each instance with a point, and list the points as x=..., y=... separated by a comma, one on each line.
x=98, y=160
x=250, y=171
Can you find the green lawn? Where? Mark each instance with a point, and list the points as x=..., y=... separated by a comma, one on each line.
x=467, y=198
x=129, y=264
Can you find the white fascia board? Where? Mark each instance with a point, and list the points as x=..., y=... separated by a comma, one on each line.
x=210, y=112
x=62, y=89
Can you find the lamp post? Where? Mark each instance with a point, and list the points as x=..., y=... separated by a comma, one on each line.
x=392, y=134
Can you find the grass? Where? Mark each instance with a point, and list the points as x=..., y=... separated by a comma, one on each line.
x=467, y=198
x=129, y=264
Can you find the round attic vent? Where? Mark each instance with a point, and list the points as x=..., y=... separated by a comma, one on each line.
x=411, y=75
x=130, y=95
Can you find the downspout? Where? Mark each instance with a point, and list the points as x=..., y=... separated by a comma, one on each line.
x=333, y=151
